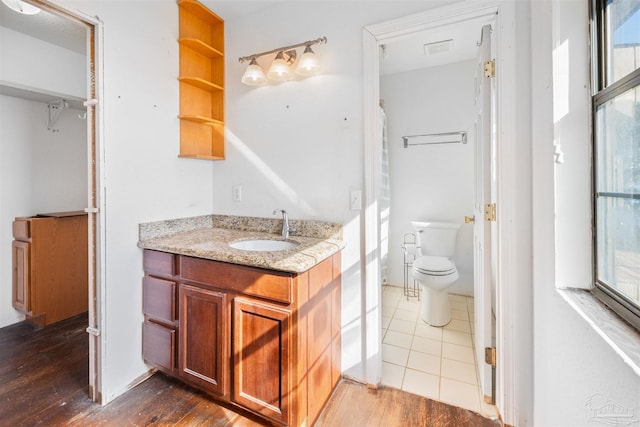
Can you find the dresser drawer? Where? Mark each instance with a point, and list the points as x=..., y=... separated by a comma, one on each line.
x=21, y=229
x=273, y=285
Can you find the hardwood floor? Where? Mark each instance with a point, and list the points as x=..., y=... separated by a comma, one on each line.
x=352, y=404
x=44, y=377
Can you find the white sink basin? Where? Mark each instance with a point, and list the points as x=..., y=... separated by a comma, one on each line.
x=263, y=245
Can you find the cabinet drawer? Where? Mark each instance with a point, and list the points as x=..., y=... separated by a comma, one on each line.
x=21, y=229
x=159, y=299
x=159, y=263
x=158, y=345
x=272, y=285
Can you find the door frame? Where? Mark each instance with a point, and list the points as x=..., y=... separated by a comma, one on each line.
x=512, y=357
x=95, y=126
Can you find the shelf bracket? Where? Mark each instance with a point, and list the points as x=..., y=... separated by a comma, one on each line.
x=55, y=110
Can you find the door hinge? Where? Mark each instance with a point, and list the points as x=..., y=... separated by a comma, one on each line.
x=490, y=356
x=490, y=212
x=490, y=69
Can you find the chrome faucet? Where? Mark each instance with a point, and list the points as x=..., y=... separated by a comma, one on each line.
x=285, y=222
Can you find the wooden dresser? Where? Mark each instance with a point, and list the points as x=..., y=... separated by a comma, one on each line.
x=50, y=266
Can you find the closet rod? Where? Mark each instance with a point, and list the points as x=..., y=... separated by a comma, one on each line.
x=437, y=138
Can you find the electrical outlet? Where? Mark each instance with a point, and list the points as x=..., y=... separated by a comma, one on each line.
x=355, y=200
x=236, y=193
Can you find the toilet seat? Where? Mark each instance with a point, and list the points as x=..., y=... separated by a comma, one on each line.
x=434, y=266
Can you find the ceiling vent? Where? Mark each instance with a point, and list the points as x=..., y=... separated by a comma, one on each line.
x=438, y=47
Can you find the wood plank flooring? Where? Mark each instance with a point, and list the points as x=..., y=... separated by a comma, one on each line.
x=44, y=377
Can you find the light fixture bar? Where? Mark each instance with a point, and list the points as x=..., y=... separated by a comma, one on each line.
x=285, y=48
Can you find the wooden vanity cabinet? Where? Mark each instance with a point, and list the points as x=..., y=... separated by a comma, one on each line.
x=262, y=340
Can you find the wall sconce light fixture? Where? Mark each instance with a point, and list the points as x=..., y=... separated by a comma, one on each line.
x=280, y=69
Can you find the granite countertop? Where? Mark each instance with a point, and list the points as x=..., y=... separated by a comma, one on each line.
x=209, y=236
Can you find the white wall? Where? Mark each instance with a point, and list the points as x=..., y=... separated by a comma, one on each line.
x=142, y=179
x=298, y=145
x=41, y=171
x=50, y=67
x=431, y=182
x=575, y=371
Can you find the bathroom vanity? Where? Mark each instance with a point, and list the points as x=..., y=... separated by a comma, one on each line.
x=257, y=330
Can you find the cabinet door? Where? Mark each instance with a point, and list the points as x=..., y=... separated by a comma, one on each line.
x=21, y=266
x=204, y=336
x=262, y=358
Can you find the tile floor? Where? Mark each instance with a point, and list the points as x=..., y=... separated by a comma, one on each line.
x=437, y=363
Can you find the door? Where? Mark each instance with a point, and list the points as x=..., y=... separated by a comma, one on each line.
x=262, y=358
x=204, y=336
x=482, y=227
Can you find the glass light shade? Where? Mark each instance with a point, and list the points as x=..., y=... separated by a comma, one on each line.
x=254, y=76
x=22, y=7
x=308, y=64
x=279, y=70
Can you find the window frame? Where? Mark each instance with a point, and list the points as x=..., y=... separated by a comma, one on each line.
x=601, y=94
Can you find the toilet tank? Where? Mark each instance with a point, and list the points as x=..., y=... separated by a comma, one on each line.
x=436, y=238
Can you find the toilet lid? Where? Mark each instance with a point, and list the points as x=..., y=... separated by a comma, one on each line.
x=436, y=265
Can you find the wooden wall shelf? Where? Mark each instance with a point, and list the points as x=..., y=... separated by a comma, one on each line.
x=201, y=83
x=200, y=47
x=201, y=79
x=201, y=120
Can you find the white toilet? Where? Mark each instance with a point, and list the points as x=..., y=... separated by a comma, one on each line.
x=433, y=268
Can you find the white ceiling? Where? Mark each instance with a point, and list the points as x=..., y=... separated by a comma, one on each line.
x=46, y=26
x=71, y=35
x=408, y=53
x=228, y=9
x=403, y=54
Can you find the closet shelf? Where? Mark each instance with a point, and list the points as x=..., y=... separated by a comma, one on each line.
x=201, y=83
x=200, y=47
x=39, y=95
x=201, y=120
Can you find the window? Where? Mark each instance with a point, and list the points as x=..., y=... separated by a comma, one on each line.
x=616, y=147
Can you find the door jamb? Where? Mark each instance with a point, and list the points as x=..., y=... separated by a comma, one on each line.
x=509, y=364
x=95, y=125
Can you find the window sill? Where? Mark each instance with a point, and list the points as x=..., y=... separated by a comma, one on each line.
x=618, y=334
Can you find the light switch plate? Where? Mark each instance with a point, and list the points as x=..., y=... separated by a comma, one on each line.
x=236, y=193
x=355, y=200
